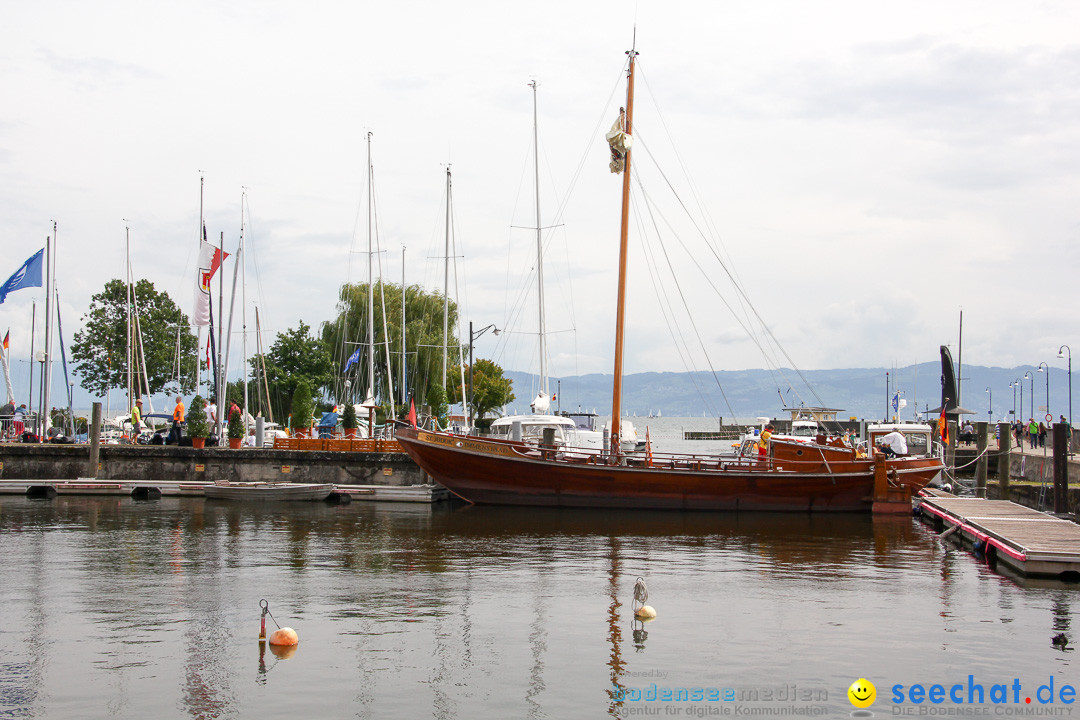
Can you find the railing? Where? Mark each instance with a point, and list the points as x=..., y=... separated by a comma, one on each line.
x=7, y=426
x=338, y=445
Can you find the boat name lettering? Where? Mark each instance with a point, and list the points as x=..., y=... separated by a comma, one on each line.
x=465, y=444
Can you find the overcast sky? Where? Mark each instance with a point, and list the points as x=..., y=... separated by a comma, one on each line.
x=870, y=169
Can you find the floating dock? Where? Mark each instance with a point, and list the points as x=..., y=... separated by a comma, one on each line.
x=1029, y=541
x=142, y=489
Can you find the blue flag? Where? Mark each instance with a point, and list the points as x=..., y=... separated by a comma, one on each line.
x=29, y=275
x=353, y=359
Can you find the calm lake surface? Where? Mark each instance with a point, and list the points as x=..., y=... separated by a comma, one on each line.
x=117, y=608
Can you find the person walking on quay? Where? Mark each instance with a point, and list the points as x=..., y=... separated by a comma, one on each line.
x=1042, y=434
x=136, y=420
x=1033, y=432
x=177, y=420
x=1018, y=434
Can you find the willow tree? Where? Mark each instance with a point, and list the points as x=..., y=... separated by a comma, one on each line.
x=423, y=340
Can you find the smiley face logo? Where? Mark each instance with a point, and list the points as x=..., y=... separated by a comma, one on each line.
x=862, y=693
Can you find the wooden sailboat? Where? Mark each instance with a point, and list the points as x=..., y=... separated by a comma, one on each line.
x=822, y=476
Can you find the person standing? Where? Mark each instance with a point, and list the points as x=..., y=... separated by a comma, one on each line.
x=6, y=414
x=1042, y=434
x=1033, y=432
x=177, y=419
x=136, y=420
x=17, y=424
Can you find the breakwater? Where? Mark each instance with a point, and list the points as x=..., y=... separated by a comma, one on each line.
x=166, y=462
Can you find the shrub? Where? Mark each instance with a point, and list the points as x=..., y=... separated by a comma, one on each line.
x=196, y=418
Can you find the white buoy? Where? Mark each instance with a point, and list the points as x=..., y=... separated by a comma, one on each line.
x=287, y=636
x=645, y=612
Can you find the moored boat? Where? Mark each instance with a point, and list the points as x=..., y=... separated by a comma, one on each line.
x=268, y=491
x=795, y=477
x=792, y=476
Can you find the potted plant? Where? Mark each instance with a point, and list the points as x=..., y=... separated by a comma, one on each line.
x=348, y=420
x=197, y=427
x=236, y=429
x=302, y=407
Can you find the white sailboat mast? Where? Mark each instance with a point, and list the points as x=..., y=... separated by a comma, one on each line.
x=243, y=309
x=539, y=249
x=446, y=285
x=127, y=287
x=198, y=328
x=50, y=253
x=404, y=391
x=371, y=288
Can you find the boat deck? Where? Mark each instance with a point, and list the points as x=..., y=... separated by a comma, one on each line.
x=1032, y=542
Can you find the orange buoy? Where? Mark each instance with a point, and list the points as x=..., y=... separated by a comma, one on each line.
x=283, y=652
x=284, y=636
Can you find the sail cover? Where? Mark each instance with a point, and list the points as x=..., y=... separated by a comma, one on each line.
x=619, y=142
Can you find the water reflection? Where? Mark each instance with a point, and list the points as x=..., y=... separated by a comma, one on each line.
x=149, y=609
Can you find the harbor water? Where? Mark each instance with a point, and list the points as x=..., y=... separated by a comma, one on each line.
x=124, y=609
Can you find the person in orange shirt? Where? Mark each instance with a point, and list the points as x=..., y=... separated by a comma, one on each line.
x=177, y=419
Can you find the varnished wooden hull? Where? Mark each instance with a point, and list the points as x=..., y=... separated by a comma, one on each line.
x=486, y=471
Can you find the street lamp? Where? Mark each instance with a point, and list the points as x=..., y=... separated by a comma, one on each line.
x=472, y=339
x=1014, y=384
x=990, y=412
x=1041, y=366
x=1028, y=375
x=1066, y=347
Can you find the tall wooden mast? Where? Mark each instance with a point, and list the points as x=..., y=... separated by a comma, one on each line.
x=620, y=307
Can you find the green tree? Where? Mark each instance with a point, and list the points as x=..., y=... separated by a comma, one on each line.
x=100, y=347
x=490, y=389
x=302, y=405
x=423, y=339
x=437, y=401
x=294, y=356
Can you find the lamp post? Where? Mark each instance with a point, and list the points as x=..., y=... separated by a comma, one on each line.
x=1066, y=347
x=1029, y=375
x=1041, y=366
x=472, y=339
x=1014, y=384
x=990, y=412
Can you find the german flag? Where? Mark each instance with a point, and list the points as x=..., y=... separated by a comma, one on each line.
x=943, y=426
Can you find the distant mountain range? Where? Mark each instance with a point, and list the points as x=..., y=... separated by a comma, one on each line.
x=858, y=392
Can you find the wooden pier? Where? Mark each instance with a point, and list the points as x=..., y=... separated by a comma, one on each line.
x=1029, y=541
x=143, y=489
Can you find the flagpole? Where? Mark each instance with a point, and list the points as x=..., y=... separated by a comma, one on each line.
x=46, y=375
x=219, y=383
x=33, y=331
x=7, y=370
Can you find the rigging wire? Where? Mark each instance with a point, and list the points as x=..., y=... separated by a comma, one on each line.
x=749, y=318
